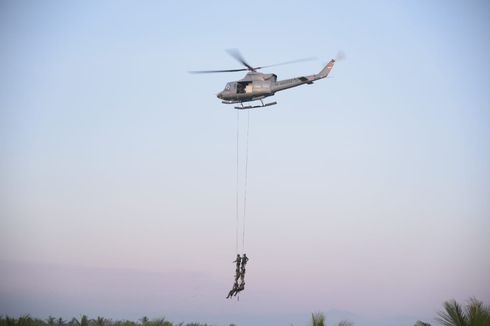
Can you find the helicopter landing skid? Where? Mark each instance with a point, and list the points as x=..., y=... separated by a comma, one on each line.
x=254, y=106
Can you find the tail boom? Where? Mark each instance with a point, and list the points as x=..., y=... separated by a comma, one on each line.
x=293, y=82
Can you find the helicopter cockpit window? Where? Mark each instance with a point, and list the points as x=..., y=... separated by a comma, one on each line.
x=228, y=86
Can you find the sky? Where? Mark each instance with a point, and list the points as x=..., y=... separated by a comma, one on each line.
x=368, y=192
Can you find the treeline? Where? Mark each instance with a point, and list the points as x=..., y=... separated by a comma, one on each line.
x=471, y=313
x=85, y=321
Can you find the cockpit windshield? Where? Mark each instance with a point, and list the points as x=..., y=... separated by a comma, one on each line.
x=228, y=87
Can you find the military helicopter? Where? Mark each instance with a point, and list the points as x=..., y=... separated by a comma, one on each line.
x=257, y=86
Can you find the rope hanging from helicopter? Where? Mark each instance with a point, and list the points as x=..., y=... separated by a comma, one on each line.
x=237, y=179
x=246, y=183
x=239, y=200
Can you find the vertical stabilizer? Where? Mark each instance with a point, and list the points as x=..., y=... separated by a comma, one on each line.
x=325, y=71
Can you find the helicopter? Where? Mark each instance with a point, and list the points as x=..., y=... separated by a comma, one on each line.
x=256, y=86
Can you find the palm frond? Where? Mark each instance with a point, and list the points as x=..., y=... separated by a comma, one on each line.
x=317, y=319
x=452, y=315
x=476, y=313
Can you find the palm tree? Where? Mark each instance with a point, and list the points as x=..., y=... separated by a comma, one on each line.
x=159, y=322
x=101, y=321
x=84, y=321
x=25, y=320
x=317, y=319
x=347, y=323
x=473, y=314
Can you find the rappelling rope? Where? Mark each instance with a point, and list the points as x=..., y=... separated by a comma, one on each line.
x=246, y=182
x=237, y=180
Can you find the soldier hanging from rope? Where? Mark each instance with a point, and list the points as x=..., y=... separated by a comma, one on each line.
x=241, y=286
x=234, y=290
x=238, y=261
x=239, y=274
x=235, y=287
x=244, y=262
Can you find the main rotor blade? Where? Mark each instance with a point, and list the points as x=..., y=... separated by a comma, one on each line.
x=288, y=62
x=215, y=71
x=238, y=56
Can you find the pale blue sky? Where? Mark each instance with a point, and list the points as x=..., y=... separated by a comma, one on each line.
x=368, y=192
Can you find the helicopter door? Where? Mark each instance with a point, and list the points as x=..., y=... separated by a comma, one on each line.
x=244, y=87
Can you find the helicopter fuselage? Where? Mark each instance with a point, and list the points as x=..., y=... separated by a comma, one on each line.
x=256, y=86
